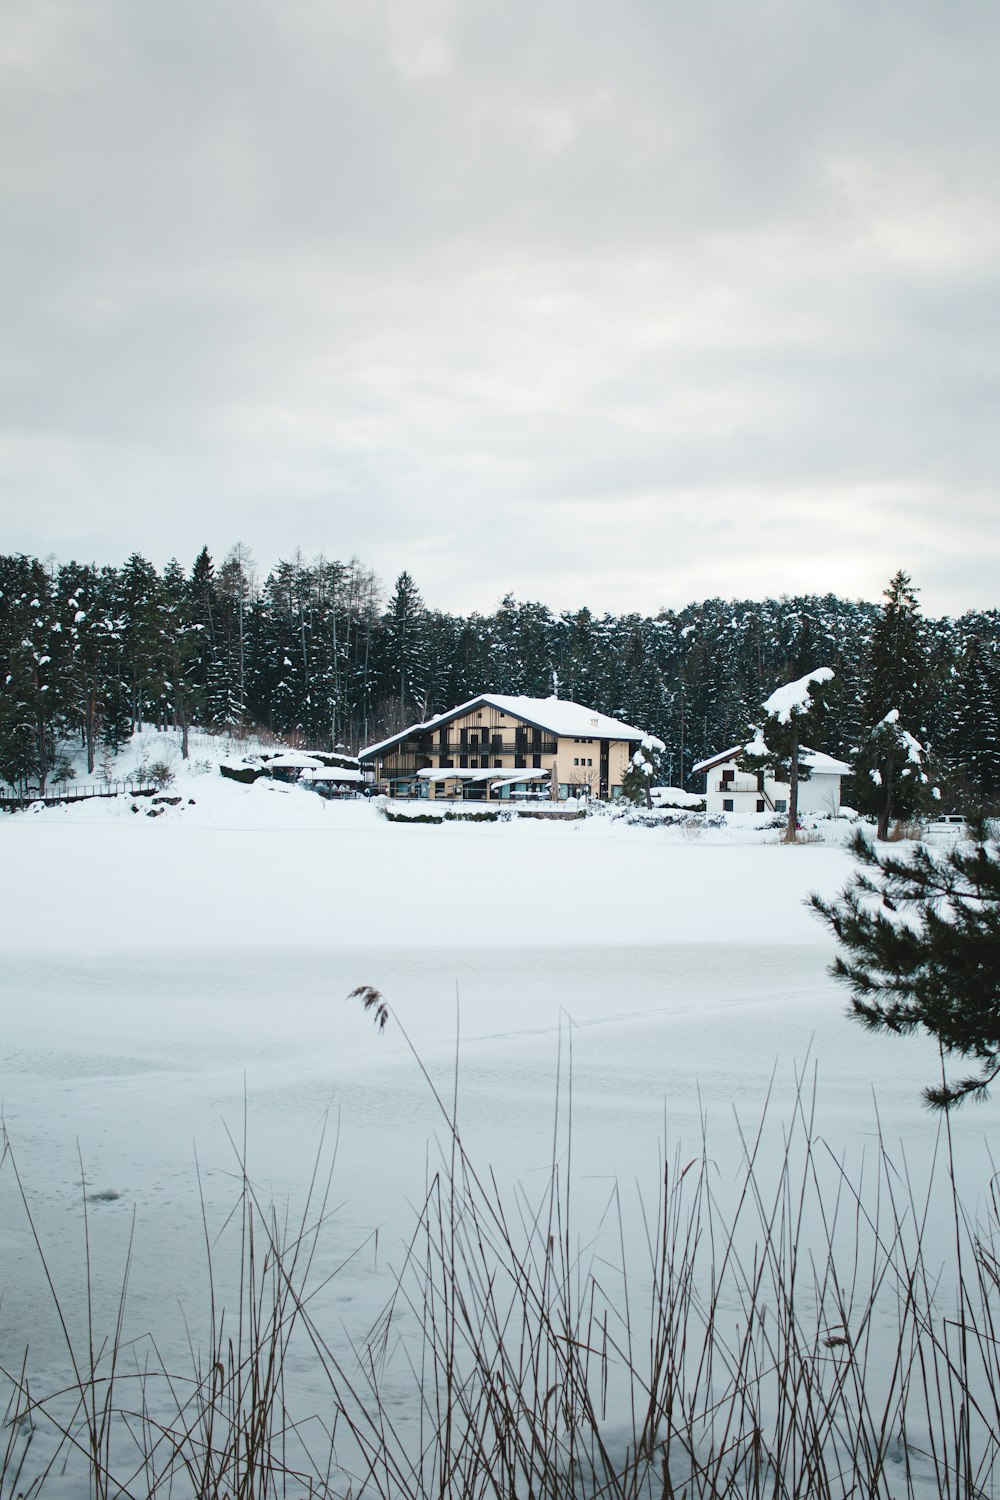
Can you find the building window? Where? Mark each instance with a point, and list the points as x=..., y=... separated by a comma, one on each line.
x=760, y=804
x=536, y=762
x=727, y=804
x=781, y=804
x=728, y=777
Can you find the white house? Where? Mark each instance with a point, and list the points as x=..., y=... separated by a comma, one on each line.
x=728, y=788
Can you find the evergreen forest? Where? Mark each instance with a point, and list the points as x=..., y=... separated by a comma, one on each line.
x=320, y=652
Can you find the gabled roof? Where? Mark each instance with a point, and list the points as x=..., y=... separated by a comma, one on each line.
x=825, y=765
x=559, y=716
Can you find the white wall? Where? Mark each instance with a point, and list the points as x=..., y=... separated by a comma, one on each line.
x=821, y=793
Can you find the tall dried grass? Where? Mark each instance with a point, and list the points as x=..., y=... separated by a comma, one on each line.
x=791, y=1336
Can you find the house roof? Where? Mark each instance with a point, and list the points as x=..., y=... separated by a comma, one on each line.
x=824, y=765
x=290, y=759
x=559, y=716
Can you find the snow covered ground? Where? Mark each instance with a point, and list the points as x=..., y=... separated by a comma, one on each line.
x=167, y=977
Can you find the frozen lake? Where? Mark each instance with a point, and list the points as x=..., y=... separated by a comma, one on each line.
x=161, y=983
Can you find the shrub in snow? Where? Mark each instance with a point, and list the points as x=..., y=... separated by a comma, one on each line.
x=159, y=773
x=247, y=775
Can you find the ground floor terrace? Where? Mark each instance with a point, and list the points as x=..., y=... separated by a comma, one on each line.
x=468, y=784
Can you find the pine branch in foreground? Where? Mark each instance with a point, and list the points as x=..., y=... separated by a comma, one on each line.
x=920, y=950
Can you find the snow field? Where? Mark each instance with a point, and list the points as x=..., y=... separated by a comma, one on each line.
x=166, y=978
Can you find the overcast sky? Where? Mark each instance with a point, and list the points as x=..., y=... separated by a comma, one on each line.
x=622, y=303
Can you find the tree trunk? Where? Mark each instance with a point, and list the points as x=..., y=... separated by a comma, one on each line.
x=885, y=811
x=791, y=827
x=90, y=726
x=182, y=716
x=43, y=761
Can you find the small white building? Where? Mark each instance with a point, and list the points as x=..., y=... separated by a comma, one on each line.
x=729, y=788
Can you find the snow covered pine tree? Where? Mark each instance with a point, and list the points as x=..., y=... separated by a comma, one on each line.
x=921, y=941
x=891, y=757
x=789, y=713
x=637, y=782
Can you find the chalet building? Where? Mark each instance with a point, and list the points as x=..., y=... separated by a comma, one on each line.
x=730, y=788
x=496, y=748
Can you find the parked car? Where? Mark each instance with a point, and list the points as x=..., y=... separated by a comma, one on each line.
x=946, y=826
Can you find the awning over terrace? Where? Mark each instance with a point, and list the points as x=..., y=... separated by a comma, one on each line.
x=498, y=778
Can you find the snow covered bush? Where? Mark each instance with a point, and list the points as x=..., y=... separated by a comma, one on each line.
x=642, y=770
x=159, y=773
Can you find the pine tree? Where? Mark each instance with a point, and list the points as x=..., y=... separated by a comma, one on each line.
x=33, y=701
x=579, y=656
x=85, y=605
x=791, y=715
x=286, y=636
x=231, y=669
x=143, y=653
x=363, y=600
x=891, y=774
x=203, y=600
x=921, y=941
x=183, y=648
x=642, y=771
x=405, y=649
x=973, y=736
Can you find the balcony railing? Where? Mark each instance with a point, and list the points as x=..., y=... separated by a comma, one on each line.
x=451, y=749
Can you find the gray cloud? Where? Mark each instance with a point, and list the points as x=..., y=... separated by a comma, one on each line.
x=618, y=305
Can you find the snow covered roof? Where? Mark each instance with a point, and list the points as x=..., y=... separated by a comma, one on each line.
x=559, y=716
x=826, y=765
x=290, y=759
x=676, y=795
x=717, y=760
x=333, y=773
x=823, y=765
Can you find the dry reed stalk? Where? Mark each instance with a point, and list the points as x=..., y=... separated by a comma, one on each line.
x=785, y=1337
